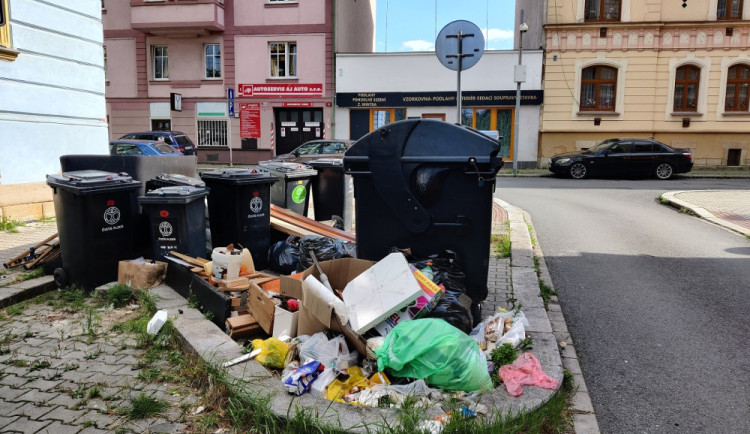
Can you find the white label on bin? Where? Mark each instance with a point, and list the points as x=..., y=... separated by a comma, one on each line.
x=112, y=215
x=165, y=229
x=256, y=204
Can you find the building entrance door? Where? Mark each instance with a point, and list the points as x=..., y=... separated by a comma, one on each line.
x=295, y=126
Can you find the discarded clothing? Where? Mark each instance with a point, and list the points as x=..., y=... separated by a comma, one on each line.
x=525, y=371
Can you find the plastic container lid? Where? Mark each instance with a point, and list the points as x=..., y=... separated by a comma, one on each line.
x=179, y=179
x=287, y=168
x=92, y=181
x=173, y=194
x=239, y=176
x=326, y=162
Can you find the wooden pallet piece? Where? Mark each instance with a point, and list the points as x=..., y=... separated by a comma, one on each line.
x=30, y=254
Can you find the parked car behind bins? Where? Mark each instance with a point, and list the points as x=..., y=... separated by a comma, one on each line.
x=624, y=157
x=141, y=147
x=315, y=149
x=176, y=139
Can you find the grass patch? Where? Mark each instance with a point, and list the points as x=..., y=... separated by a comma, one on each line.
x=119, y=295
x=10, y=225
x=546, y=292
x=662, y=200
x=37, y=272
x=144, y=406
x=36, y=366
x=15, y=310
x=71, y=299
x=501, y=245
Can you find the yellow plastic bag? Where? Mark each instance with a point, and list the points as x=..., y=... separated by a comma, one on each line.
x=337, y=389
x=272, y=352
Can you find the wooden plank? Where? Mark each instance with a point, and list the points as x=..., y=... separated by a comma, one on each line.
x=310, y=224
x=28, y=256
x=241, y=321
x=288, y=228
x=186, y=258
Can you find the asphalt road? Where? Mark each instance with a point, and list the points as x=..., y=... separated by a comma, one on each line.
x=657, y=302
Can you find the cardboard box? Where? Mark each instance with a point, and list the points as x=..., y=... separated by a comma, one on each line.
x=315, y=316
x=141, y=275
x=261, y=307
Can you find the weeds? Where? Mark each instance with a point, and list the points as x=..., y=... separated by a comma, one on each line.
x=119, y=295
x=10, y=225
x=546, y=292
x=38, y=272
x=144, y=406
x=14, y=310
x=94, y=392
x=36, y=366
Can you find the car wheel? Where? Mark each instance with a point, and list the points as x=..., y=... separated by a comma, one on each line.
x=577, y=171
x=664, y=171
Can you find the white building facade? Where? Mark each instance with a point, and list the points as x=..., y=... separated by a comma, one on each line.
x=375, y=89
x=51, y=86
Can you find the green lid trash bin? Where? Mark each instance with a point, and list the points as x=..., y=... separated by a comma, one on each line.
x=291, y=190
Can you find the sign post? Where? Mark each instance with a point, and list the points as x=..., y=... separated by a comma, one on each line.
x=459, y=46
x=230, y=107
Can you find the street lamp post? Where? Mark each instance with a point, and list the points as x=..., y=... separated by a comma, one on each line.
x=520, y=77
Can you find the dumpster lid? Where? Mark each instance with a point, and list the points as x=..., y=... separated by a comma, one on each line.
x=89, y=178
x=177, y=190
x=238, y=176
x=326, y=162
x=179, y=179
x=284, y=166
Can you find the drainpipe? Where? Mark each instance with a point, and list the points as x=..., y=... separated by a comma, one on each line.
x=333, y=72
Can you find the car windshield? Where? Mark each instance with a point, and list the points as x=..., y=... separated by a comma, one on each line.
x=163, y=148
x=603, y=145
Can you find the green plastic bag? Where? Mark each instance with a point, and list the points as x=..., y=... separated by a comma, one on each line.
x=433, y=350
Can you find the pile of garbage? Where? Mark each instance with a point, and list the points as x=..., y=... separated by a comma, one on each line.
x=373, y=334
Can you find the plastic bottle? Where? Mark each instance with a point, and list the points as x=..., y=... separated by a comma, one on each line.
x=427, y=271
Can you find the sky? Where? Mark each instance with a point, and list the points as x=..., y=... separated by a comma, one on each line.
x=412, y=25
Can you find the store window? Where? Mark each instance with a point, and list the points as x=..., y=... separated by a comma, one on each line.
x=380, y=117
x=212, y=133
x=729, y=10
x=492, y=119
x=598, y=88
x=213, y=60
x=283, y=59
x=687, y=79
x=738, y=84
x=603, y=10
x=161, y=62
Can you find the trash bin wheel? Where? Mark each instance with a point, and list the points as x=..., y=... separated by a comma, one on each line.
x=61, y=277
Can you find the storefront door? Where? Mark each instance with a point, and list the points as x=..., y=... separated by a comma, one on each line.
x=295, y=126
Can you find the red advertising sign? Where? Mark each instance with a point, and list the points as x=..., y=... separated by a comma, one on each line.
x=280, y=89
x=250, y=120
x=297, y=104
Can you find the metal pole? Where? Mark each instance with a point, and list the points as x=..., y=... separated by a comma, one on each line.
x=460, y=65
x=517, y=126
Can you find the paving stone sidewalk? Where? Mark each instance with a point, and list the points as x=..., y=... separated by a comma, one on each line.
x=726, y=208
x=63, y=372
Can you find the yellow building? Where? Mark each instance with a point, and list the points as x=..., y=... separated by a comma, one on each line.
x=677, y=71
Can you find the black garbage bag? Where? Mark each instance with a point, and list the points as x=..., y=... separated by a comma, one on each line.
x=283, y=256
x=455, y=309
x=325, y=249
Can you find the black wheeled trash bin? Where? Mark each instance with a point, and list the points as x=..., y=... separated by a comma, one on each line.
x=239, y=210
x=97, y=217
x=332, y=190
x=173, y=179
x=177, y=220
x=426, y=185
x=291, y=189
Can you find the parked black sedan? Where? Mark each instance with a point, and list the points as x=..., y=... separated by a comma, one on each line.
x=624, y=157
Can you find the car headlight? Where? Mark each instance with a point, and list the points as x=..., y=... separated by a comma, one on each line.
x=563, y=161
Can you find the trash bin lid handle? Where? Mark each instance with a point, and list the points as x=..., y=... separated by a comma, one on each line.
x=388, y=179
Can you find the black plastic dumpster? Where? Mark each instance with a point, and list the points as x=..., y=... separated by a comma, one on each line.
x=177, y=220
x=332, y=190
x=96, y=220
x=426, y=185
x=239, y=210
x=173, y=179
x=292, y=188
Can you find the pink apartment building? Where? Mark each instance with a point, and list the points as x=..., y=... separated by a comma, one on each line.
x=175, y=64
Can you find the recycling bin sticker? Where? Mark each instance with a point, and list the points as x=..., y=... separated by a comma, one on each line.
x=299, y=194
x=165, y=232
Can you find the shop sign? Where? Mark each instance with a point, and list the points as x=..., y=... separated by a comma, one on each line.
x=296, y=104
x=250, y=120
x=280, y=90
x=421, y=99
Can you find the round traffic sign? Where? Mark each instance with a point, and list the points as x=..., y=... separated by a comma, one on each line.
x=470, y=38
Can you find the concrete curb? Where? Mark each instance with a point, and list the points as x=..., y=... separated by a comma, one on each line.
x=22, y=291
x=702, y=212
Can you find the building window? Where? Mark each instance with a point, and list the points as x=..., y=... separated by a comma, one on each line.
x=738, y=83
x=602, y=10
x=729, y=10
x=380, y=117
x=213, y=60
x=212, y=133
x=6, y=51
x=687, y=79
x=491, y=119
x=598, y=88
x=283, y=59
x=161, y=62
